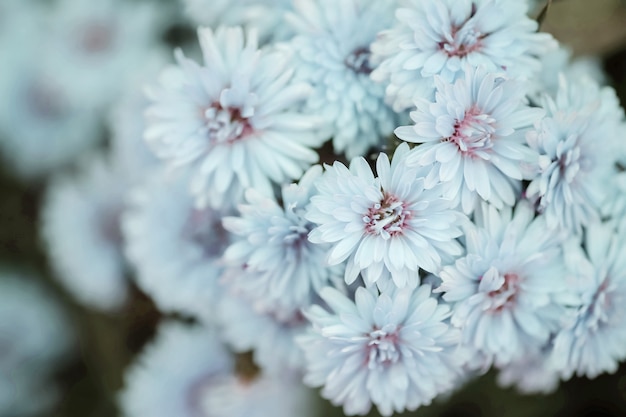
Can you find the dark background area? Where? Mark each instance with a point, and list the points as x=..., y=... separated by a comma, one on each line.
x=107, y=343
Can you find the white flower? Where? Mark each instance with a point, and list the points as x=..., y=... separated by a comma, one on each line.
x=438, y=37
x=510, y=288
x=267, y=16
x=386, y=227
x=36, y=339
x=94, y=47
x=281, y=268
x=392, y=350
x=187, y=372
x=270, y=334
x=474, y=134
x=42, y=127
x=579, y=142
x=175, y=247
x=594, y=341
x=81, y=231
x=332, y=44
x=235, y=120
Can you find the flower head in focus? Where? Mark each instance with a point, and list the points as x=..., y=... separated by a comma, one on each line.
x=235, y=120
x=386, y=227
x=510, y=289
x=439, y=37
x=394, y=350
x=473, y=133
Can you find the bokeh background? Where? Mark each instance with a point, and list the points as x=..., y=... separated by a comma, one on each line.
x=108, y=342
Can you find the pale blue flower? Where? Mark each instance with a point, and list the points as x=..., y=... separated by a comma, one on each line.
x=281, y=268
x=510, y=289
x=81, y=232
x=175, y=247
x=575, y=178
x=235, y=120
x=473, y=132
x=332, y=50
x=438, y=37
x=594, y=340
x=394, y=350
x=386, y=227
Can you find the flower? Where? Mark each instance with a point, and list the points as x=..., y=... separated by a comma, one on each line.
x=394, y=350
x=594, y=339
x=474, y=134
x=94, y=48
x=274, y=263
x=332, y=49
x=439, y=37
x=387, y=227
x=509, y=291
x=187, y=372
x=42, y=127
x=235, y=121
x=35, y=340
x=81, y=231
x=530, y=374
x=575, y=178
x=175, y=247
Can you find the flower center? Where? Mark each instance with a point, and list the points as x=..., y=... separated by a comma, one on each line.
x=474, y=134
x=204, y=229
x=503, y=289
x=96, y=37
x=359, y=61
x=225, y=125
x=462, y=39
x=44, y=101
x=382, y=348
x=387, y=218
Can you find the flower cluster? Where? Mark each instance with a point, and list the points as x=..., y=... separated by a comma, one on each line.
x=374, y=198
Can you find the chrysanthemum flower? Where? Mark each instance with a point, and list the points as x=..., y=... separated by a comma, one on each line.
x=187, y=372
x=277, y=265
x=576, y=175
x=531, y=373
x=438, y=37
x=81, y=230
x=395, y=350
x=387, y=227
x=94, y=47
x=594, y=341
x=510, y=288
x=474, y=134
x=235, y=120
x=36, y=339
x=332, y=45
x=174, y=247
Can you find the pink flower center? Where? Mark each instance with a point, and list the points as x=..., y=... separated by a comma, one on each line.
x=44, y=101
x=382, y=348
x=462, y=39
x=225, y=125
x=387, y=218
x=474, y=134
x=359, y=61
x=505, y=296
